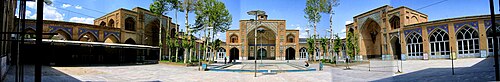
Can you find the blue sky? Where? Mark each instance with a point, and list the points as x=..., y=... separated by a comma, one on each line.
x=289, y=10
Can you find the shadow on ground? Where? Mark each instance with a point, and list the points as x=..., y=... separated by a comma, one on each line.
x=479, y=72
x=49, y=74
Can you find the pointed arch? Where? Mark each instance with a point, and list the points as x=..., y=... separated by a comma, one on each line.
x=31, y=35
x=303, y=53
x=413, y=20
x=152, y=33
x=130, y=41
x=439, y=44
x=111, y=39
x=290, y=38
x=62, y=35
x=221, y=53
x=102, y=23
x=130, y=24
x=234, y=38
x=88, y=37
x=395, y=22
x=467, y=41
x=290, y=53
x=414, y=47
x=371, y=38
x=111, y=23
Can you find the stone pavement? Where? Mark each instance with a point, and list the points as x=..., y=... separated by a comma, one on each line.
x=470, y=69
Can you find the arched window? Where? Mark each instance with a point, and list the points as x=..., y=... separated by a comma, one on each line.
x=303, y=53
x=130, y=24
x=394, y=22
x=439, y=43
x=290, y=38
x=102, y=23
x=234, y=39
x=468, y=42
x=111, y=23
x=221, y=53
x=414, y=45
x=489, y=33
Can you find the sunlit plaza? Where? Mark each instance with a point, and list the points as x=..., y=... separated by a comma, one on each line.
x=249, y=41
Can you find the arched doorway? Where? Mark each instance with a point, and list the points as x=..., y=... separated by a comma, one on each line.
x=233, y=54
x=152, y=33
x=262, y=54
x=290, y=54
x=129, y=41
x=396, y=48
x=371, y=39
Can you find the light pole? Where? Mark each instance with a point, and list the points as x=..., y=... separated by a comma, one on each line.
x=261, y=30
x=256, y=13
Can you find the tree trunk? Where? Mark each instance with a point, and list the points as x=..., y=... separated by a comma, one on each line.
x=169, y=52
x=185, y=55
x=314, y=44
x=176, y=54
x=189, y=36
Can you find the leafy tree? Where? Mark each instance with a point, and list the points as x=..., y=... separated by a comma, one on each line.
x=337, y=44
x=187, y=7
x=312, y=11
x=159, y=8
x=310, y=47
x=352, y=45
x=324, y=42
x=212, y=13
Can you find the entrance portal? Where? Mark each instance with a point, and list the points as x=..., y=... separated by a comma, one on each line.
x=262, y=54
x=290, y=54
x=371, y=38
x=396, y=48
x=233, y=54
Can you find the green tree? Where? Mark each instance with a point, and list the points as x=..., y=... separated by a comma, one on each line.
x=188, y=6
x=324, y=42
x=159, y=8
x=337, y=44
x=310, y=47
x=312, y=11
x=212, y=13
x=352, y=45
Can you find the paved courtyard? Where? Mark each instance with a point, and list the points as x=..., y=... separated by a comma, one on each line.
x=470, y=69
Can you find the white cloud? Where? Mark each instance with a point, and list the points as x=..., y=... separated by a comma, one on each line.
x=343, y=30
x=348, y=22
x=31, y=4
x=82, y=20
x=66, y=5
x=78, y=7
x=49, y=12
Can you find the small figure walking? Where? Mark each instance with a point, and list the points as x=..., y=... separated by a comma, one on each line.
x=225, y=59
x=307, y=64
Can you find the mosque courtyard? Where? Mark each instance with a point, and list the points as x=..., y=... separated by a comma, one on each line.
x=470, y=69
